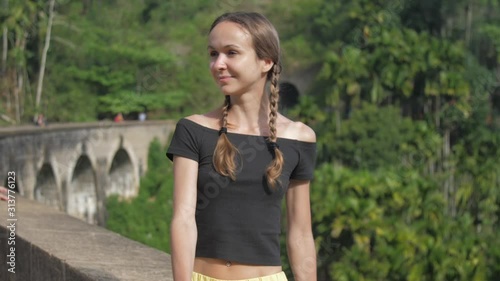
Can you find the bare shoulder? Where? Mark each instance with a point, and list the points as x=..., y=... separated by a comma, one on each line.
x=209, y=119
x=304, y=132
x=297, y=130
x=197, y=118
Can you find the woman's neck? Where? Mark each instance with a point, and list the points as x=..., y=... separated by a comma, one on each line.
x=249, y=112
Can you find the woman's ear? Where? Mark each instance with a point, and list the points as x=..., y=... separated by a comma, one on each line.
x=267, y=65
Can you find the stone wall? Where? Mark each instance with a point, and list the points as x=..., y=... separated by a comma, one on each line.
x=51, y=246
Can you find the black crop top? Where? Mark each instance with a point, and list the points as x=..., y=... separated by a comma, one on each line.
x=240, y=221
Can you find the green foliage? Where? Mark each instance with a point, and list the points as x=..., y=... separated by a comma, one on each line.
x=124, y=77
x=127, y=101
x=146, y=218
x=492, y=33
x=391, y=225
x=429, y=208
x=130, y=60
x=371, y=138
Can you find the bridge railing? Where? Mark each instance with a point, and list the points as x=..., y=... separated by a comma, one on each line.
x=40, y=243
x=53, y=127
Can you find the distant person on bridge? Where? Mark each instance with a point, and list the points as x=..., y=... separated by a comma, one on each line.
x=235, y=164
x=142, y=116
x=40, y=120
x=118, y=118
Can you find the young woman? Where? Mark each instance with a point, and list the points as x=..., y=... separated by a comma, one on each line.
x=234, y=165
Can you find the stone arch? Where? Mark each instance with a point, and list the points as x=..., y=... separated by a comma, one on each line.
x=46, y=190
x=82, y=191
x=289, y=96
x=121, y=175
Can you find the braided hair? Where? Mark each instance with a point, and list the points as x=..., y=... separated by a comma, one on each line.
x=266, y=44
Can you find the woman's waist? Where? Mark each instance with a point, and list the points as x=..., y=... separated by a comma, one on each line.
x=227, y=269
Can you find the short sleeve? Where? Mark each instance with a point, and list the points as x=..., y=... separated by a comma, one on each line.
x=185, y=141
x=307, y=161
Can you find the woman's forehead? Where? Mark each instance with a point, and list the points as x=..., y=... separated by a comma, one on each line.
x=227, y=34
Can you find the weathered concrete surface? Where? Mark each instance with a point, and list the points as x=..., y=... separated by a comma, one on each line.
x=51, y=245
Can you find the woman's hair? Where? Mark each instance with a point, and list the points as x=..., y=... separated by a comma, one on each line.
x=267, y=46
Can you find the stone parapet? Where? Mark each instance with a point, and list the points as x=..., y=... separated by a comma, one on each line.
x=51, y=245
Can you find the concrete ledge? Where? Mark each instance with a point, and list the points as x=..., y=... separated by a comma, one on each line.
x=20, y=130
x=51, y=245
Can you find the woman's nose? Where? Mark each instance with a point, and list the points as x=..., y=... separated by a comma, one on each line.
x=220, y=62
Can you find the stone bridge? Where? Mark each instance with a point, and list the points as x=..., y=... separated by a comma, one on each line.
x=74, y=167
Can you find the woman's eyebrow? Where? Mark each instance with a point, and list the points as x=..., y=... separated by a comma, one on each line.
x=226, y=47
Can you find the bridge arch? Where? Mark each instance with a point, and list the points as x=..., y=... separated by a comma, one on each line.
x=122, y=179
x=82, y=191
x=123, y=168
x=46, y=190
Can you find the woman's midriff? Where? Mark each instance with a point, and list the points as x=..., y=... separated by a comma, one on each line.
x=222, y=269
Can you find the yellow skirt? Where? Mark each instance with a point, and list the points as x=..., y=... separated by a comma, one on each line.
x=275, y=277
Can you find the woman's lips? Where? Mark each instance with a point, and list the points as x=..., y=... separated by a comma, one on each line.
x=224, y=78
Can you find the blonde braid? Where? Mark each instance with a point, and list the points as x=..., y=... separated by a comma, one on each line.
x=275, y=167
x=225, y=152
x=225, y=110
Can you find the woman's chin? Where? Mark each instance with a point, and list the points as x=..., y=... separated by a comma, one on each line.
x=226, y=91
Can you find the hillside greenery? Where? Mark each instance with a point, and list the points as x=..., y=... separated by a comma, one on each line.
x=405, y=102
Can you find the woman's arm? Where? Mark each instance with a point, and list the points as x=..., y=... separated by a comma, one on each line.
x=300, y=241
x=183, y=226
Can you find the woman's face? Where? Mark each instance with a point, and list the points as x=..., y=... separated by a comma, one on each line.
x=234, y=64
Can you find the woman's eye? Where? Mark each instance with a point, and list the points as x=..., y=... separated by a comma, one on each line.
x=213, y=54
x=232, y=53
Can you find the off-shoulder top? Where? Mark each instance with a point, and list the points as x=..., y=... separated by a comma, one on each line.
x=240, y=220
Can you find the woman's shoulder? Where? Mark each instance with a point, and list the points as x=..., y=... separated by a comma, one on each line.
x=207, y=120
x=297, y=130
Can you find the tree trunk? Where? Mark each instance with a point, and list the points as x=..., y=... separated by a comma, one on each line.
x=437, y=124
x=44, y=56
x=444, y=164
x=468, y=23
x=449, y=184
x=437, y=107
x=18, y=74
x=4, y=81
x=5, y=45
x=338, y=120
x=17, y=95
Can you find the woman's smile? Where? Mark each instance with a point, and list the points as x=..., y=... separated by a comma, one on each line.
x=224, y=78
